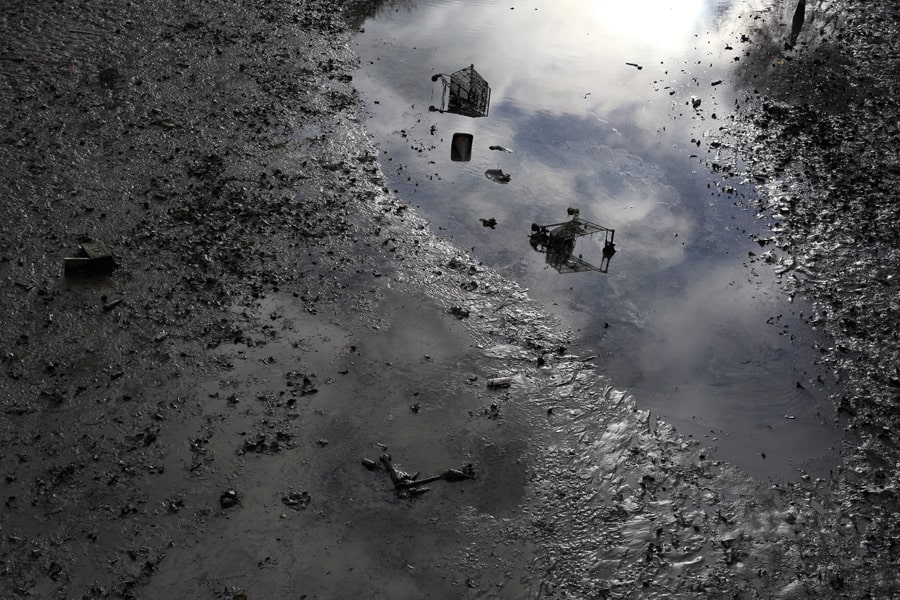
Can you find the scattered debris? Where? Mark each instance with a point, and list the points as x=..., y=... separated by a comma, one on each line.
x=266, y=444
x=296, y=500
x=112, y=304
x=411, y=485
x=497, y=175
x=490, y=412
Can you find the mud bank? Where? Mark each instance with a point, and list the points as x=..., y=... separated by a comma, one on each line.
x=195, y=422
x=823, y=136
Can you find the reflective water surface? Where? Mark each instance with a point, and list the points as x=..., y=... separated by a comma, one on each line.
x=621, y=110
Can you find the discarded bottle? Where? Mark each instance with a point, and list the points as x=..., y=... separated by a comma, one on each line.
x=499, y=382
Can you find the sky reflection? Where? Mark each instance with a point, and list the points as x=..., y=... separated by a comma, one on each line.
x=694, y=330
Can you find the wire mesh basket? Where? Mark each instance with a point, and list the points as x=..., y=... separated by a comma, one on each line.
x=465, y=93
x=557, y=242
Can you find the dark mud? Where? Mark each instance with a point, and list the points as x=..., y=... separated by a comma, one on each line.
x=212, y=148
x=283, y=318
x=823, y=129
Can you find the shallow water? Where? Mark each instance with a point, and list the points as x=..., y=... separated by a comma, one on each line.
x=689, y=318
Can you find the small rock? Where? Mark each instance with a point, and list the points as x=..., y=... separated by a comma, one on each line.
x=228, y=499
x=459, y=312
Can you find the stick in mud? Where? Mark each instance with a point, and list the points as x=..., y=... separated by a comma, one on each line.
x=417, y=482
x=411, y=483
x=395, y=477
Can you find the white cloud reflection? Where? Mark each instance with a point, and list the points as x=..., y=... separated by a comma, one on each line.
x=593, y=132
x=549, y=54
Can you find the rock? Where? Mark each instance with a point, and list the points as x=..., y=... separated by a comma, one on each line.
x=228, y=499
x=459, y=312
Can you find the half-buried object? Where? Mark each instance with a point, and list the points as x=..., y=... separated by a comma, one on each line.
x=95, y=259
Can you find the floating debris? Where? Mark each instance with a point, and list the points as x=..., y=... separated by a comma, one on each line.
x=497, y=175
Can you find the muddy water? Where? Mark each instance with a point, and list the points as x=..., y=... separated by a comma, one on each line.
x=620, y=110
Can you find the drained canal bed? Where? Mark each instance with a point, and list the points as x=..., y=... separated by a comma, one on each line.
x=621, y=111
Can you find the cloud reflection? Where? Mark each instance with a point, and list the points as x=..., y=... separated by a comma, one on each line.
x=709, y=318
x=564, y=56
x=592, y=132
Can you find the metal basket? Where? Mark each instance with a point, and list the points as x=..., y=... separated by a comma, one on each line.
x=557, y=243
x=465, y=93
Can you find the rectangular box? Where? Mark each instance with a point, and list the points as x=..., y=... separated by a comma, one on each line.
x=461, y=147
